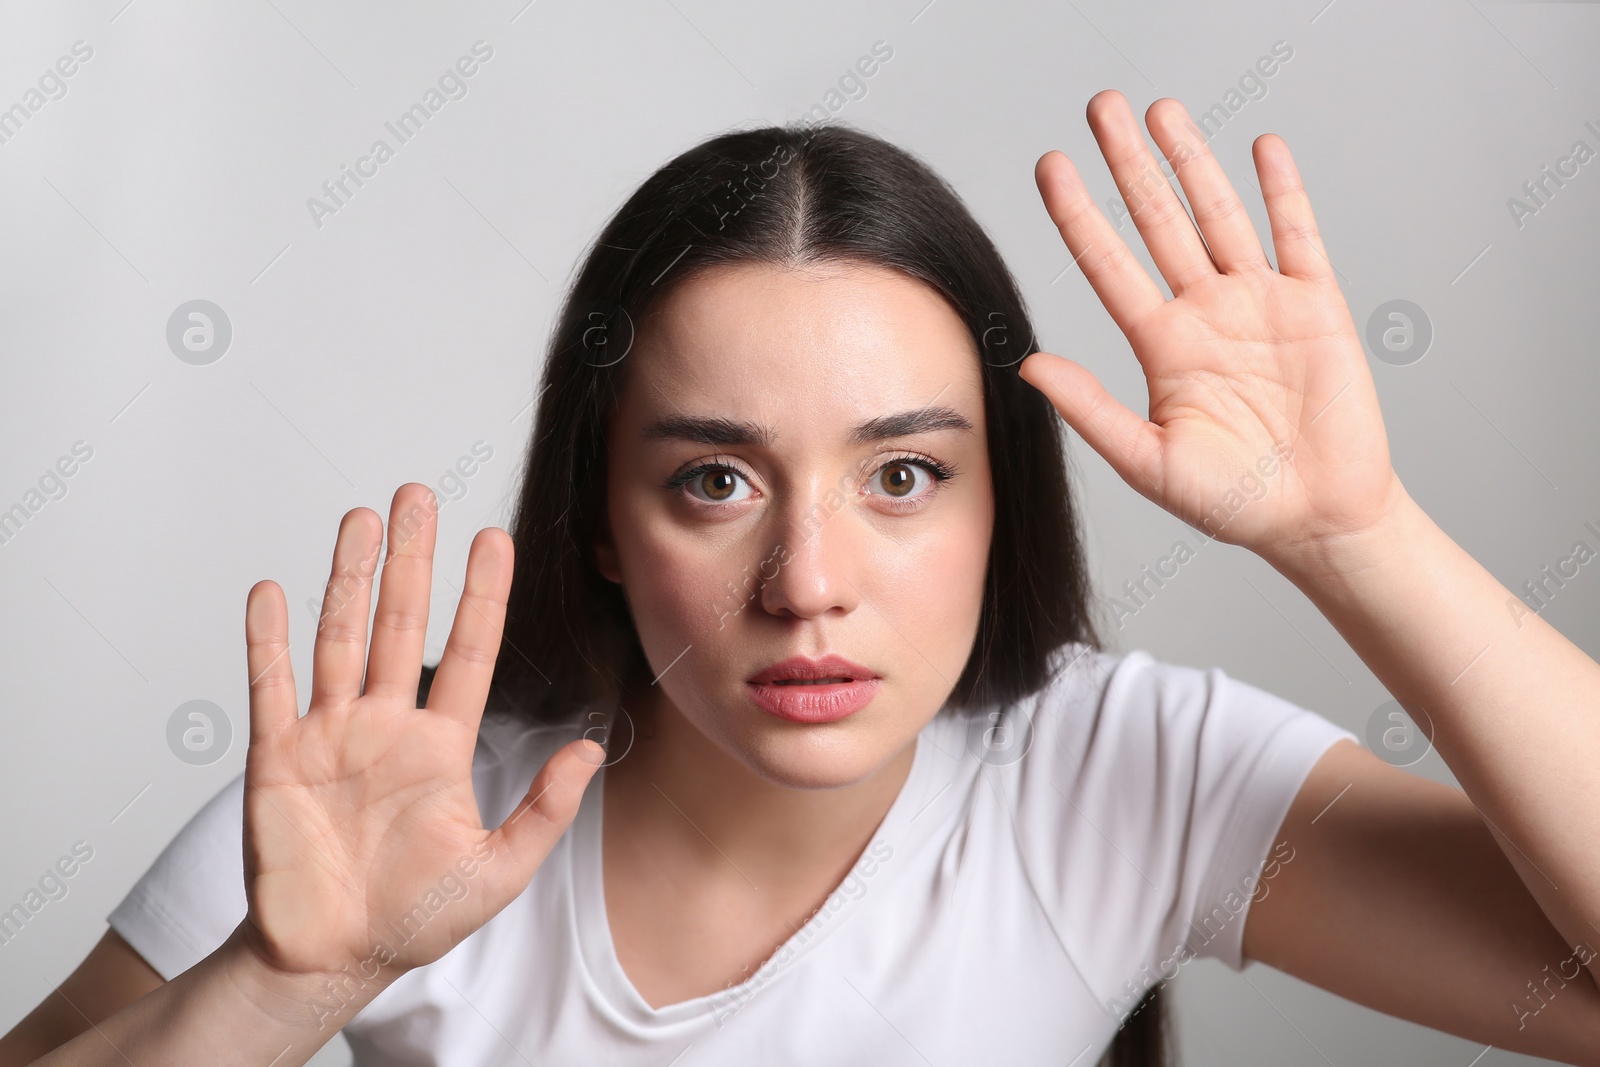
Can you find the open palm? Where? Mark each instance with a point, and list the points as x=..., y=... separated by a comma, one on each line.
x=363, y=841
x=1264, y=428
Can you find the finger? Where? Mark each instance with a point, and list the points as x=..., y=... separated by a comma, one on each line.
x=461, y=685
x=266, y=638
x=1294, y=228
x=1118, y=279
x=1160, y=216
x=543, y=815
x=1221, y=216
x=400, y=624
x=340, y=652
x=1131, y=445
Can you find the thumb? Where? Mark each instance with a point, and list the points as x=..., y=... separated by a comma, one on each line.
x=543, y=815
x=1129, y=443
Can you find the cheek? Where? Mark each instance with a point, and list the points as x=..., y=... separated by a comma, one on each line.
x=931, y=590
x=677, y=587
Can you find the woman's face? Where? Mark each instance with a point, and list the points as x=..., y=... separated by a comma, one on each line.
x=768, y=498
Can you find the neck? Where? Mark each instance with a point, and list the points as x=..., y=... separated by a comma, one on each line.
x=678, y=789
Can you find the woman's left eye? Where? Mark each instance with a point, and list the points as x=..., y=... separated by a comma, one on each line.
x=904, y=479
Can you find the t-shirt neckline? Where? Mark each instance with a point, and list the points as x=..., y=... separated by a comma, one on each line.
x=592, y=925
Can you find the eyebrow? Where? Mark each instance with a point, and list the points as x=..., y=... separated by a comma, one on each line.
x=711, y=430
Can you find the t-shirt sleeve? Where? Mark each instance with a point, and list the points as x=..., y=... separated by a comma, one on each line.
x=192, y=896
x=1148, y=807
x=1252, y=753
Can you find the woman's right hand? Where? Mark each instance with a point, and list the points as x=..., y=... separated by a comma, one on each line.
x=360, y=822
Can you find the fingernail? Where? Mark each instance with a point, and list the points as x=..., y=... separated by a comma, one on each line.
x=590, y=752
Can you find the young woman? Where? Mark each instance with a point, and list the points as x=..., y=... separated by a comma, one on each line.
x=795, y=541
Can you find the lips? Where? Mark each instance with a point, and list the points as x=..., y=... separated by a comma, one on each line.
x=813, y=690
x=803, y=670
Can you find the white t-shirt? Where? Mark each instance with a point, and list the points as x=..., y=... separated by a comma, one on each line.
x=1038, y=872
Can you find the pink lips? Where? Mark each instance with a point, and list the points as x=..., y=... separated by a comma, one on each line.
x=821, y=690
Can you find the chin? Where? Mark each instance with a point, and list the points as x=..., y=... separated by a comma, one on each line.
x=805, y=774
x=812, y=756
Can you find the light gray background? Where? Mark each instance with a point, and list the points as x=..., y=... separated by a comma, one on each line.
x=379, y=347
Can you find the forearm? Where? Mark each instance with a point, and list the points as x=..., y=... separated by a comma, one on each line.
x=1514, y=705
x=227, y=1009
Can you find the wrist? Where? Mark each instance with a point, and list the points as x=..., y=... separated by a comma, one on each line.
x=321, y=1001
x=1397, y=528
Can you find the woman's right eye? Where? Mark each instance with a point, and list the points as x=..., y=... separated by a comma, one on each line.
x=714, y=484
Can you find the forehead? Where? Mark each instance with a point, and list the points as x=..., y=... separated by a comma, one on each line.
x=827, y=344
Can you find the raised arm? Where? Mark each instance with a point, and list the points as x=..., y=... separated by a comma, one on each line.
x=352, y=813
x=1258, y=381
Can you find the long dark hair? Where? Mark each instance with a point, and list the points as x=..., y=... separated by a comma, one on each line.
x=791, y=195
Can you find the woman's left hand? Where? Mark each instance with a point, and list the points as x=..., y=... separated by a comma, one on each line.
x=1264, y=428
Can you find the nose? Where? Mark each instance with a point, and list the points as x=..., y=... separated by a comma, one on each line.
x=814, y=567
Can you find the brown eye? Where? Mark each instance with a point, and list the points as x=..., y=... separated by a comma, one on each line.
x=718, y=485
x=908, y=479
x=715, y=484
x=899, y=478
